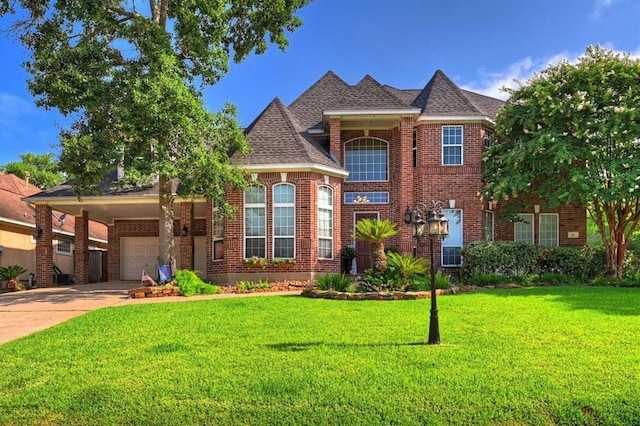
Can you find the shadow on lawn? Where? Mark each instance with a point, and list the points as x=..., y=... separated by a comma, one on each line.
x=304, y=346
x=608, y=300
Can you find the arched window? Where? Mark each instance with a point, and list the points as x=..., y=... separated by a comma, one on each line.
x=366, y=160
x=255, y=218
x=325, y=222
x=284, y=221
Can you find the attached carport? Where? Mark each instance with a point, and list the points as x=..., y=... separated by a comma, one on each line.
x=131, y=215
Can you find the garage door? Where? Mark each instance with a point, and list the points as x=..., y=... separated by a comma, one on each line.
x=136, y=254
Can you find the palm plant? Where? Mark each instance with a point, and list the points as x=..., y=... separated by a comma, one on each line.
x=404, y=267
x=11, y=274
x=375, y=231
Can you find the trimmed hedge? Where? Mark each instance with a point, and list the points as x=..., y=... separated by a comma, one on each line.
x=518, y=259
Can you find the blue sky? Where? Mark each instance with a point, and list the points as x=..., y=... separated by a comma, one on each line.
x=481, y=45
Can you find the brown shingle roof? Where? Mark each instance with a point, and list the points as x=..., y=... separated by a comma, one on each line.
x=441, y=97
x=13, y=208
x=277, y=137
x=368, y=94
x=323, y=94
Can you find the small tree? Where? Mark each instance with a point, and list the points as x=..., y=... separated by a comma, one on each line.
x=572, y=134
x=375, y=231
x=131, y=75
x=44, y=171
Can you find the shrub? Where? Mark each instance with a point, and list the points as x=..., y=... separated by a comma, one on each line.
x=423, y=282
x=483, y=280
x=584, y=262
x=11, y=274
x=190, y=284
x=245, y=286
x=370, y=281
x=336, y=282
x=498, y=257
x=519, y=260
x=403, y=268
x=548, y=278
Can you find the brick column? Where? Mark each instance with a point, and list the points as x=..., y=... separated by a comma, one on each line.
x=405, y=183
x=335, y=142
x=186, y=241
x=81, y=269
x=44, y=247
x=113, y=254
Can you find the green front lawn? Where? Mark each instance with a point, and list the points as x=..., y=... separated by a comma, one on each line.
x=561, y=355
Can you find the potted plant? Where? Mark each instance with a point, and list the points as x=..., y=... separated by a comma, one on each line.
x=255, y=262
x=348, y=254
x=282, y=263
x=11, y=274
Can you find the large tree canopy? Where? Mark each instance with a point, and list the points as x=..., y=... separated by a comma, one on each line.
x=572, y=134
x=130, y=74
x=42, y=168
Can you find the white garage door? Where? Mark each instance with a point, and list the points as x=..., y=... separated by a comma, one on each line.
x=136, y=254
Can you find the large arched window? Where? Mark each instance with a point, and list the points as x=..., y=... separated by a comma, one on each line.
x=366, y=160
x=255, y=218
x=284, y=221
x=325, y=222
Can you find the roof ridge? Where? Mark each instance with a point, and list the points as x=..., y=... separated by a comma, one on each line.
x=440, y=79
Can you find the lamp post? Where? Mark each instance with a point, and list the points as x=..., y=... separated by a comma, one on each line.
x=438, y=228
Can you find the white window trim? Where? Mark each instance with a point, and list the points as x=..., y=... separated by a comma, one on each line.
x=557, y=228
x=64, y=253
x=531, y=223
x=461, y=144
x=344, y=150
x=273, y=215
x=364, y=192
x=244, y=220
x=333, y=222
x=442, y=246
x=493, y=225
x=215, y=238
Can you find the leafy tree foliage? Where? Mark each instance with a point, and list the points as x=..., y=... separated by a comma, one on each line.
x=131, y=73
x=572, y=134
x=42, y=168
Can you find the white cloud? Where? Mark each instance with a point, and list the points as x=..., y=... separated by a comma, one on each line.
x=600, y=7
x=491, y=83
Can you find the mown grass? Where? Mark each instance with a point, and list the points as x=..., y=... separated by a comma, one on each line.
x=561, y=355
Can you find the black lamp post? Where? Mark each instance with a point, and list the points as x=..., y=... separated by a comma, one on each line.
x=438, y=228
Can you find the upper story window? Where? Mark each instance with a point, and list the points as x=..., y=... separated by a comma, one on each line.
x=284, y=221
x=452, y=143
x=366, y=160
x=325, y=222
x=255, y=218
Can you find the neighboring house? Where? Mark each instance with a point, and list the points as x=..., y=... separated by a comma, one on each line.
x=19, y=233
x=337, y=154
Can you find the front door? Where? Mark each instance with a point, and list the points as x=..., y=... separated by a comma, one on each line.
x=363, y=247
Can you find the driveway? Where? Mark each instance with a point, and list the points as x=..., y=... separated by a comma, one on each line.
x=25, y=312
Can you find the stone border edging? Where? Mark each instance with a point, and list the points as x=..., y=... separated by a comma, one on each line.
x=383, y=295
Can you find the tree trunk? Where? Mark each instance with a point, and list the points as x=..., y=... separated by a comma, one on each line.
x=166, y=249
x=378, y=257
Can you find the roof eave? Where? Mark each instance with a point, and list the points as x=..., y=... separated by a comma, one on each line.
x=297, y=167
x=455, y=118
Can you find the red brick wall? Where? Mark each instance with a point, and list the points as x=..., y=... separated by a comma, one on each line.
x=44, y=247
x=82, y=248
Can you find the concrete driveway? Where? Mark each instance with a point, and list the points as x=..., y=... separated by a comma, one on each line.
x=25, y=312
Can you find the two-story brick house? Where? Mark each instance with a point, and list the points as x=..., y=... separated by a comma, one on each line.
x=335, y=155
